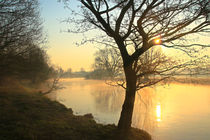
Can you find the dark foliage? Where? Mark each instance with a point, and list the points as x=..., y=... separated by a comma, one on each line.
x=20, y=39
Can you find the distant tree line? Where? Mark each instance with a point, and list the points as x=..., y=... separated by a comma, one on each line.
x=21, y=38
x=69, y=74
x=108, y=66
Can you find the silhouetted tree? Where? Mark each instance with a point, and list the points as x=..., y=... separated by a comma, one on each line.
x=137, y=24
x=20, y=24
x=32, y=65
x=36, y=66
x=108, y=62
x=20, y=39
x=152, y=67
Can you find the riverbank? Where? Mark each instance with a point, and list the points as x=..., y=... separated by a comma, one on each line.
x=192, y=80
x=26, y=115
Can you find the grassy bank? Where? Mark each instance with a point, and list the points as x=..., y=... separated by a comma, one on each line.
x=30, y=116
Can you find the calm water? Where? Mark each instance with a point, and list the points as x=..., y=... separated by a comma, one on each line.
x=172, y=112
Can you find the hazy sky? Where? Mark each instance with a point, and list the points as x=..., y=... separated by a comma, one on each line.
x=62, y=48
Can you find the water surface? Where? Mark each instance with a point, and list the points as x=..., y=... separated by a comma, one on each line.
x=170, y=112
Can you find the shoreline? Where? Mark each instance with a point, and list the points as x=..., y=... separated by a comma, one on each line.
x=29, y=116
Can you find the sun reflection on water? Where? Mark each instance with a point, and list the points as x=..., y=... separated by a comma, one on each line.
x=158, y=112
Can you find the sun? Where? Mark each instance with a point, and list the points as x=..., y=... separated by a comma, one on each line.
x=157, y=41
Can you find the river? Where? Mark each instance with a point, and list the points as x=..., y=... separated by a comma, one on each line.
x=167, y=112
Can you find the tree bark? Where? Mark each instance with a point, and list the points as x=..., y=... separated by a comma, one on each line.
x=125, y=120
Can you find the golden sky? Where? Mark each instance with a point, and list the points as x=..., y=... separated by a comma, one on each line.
x=62, y=48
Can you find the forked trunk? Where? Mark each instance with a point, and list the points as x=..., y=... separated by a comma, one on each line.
x=125, y=121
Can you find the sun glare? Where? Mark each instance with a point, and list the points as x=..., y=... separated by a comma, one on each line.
x=157, y=41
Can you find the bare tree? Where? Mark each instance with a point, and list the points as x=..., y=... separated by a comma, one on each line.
x=151, y=67
x=20, y=27
x=20, y=33
x=108, y=60
x=20, y=24
x=52, y=86
x=137, y=24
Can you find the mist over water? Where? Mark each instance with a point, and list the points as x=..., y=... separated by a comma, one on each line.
x=175, y=111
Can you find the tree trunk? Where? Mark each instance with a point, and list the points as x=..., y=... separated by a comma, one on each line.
x=125, y=121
